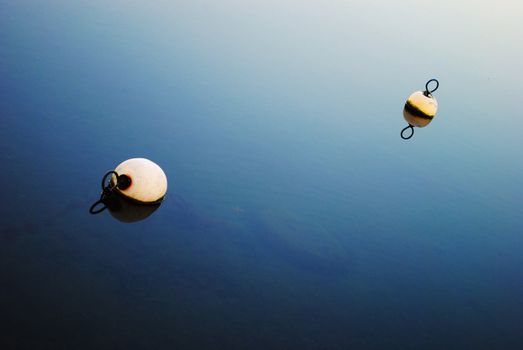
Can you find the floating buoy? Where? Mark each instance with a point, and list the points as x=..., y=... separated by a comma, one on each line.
x=137, y=179
x=147, y=181
x=420, y=109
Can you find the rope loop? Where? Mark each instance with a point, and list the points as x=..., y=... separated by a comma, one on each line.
x=429, y=92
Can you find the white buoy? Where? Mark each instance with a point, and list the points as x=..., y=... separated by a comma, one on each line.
x=148, y=183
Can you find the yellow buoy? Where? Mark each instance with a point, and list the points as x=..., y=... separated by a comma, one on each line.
x=136, y=179
x=420, y=109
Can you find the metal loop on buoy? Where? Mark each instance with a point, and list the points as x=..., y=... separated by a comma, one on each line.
x=104, y=180
x=411, y=134
x=107, y=188
x=427, y=91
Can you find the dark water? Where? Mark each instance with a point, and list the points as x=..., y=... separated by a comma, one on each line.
x=296, y=217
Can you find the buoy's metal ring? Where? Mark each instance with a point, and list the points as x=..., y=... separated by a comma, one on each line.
x=104, y=180
x=429, y=92
x=93, y=209
x=411, y=134
x=107, y=188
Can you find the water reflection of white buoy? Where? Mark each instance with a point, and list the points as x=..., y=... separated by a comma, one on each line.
x=147, y=181
x=127, y=210
x=420, y=109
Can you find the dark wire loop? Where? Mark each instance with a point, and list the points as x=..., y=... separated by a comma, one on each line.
x=104, y=180
x=411, y=134
x=427, y=91
x=107, y=189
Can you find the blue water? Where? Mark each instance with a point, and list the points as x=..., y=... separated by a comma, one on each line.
x=296, y=217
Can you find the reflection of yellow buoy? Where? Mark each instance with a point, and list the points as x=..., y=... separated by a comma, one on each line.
x=148, y=183
x=420, y=109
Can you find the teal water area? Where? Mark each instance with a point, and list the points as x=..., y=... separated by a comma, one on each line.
x=296, y=217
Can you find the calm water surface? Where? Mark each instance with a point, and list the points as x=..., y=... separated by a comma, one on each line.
x=296, y=217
